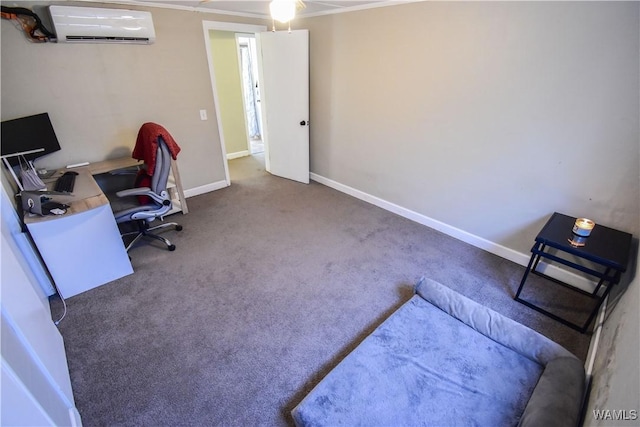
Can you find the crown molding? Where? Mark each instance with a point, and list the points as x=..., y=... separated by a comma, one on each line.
x=162, y=5
x=376, y=5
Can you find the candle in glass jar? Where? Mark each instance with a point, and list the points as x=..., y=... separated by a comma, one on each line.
x=583, y=227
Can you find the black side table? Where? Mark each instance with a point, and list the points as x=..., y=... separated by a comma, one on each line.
x=605, y=247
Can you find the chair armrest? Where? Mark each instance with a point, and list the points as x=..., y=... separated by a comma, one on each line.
x=131, y=170
x=123, y=172
x=161, y=199
x=140, y=191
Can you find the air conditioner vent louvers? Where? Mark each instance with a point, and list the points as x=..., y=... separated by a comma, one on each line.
x=107, y=39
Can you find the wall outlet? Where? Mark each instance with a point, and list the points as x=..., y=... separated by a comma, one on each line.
x=203, y=114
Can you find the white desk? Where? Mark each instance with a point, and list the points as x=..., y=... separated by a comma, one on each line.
x=82, y=248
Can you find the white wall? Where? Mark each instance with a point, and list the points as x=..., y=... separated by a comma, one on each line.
x=486, y=116
x=616, y=376
x=98, y=95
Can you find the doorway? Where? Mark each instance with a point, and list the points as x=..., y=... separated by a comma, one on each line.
x=283, y=71
x=248, y=62
x=236, y=91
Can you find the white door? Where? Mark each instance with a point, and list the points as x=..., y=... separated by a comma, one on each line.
x=283, y=61
x=36, y=388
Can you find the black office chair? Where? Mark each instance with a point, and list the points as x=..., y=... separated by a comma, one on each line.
x=159, y=202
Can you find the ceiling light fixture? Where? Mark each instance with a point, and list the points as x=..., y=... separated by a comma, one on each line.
x=283, y=10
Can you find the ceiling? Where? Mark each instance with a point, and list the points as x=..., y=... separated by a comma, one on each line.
x=260, y=9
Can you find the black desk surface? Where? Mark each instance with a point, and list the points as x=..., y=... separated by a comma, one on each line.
x=605, y=246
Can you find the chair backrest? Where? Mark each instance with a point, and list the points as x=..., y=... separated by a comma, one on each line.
x=162, y=169
x=155, y=205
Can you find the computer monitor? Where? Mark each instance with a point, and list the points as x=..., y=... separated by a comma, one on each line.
x=28, y=133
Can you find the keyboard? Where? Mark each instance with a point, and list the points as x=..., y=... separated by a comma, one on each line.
x=66, y=182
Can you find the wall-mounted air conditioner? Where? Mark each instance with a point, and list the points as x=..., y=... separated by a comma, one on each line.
x=95, y=25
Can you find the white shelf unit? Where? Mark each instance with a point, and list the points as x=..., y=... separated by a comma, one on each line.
x=176, y=192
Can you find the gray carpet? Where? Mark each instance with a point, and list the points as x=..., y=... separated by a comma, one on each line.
x=272, y=283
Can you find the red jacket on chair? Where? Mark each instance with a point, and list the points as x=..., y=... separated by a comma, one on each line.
x=147, y=145
x=146, y=149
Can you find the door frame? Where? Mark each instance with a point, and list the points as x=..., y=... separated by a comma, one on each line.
x=236, y=28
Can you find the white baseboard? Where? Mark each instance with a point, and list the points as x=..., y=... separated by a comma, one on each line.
x=479, y=242
x=231, y=156
x=205, y=188
x=595, y=340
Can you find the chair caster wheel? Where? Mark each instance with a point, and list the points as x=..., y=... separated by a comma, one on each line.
x=178, y=228
x=172, y=247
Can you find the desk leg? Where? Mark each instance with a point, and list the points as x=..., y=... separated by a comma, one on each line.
x=606, y=274
x=526, y=272
x=533, y=263
x=537, y=250
x=600, y=300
